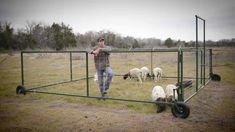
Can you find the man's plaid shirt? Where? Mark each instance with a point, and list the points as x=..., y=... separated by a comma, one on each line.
x=102, y=58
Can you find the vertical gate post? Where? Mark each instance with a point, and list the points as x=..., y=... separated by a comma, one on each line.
x=180, y=76
x=204, y=54
x=151, y=71
x=87, y=76
x=201, y=67
x=196, y=70
x=71, y=67
x=22, y=67
x=202, y=62
x=196, y=53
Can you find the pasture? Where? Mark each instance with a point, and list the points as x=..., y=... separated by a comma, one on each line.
x=44, y=69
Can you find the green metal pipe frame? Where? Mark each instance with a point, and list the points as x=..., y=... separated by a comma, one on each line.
x=118, y=51
x=71, y=68
x=196, y=54
x=180, y=73
x=201, y=67
x=204, y=50
x=85, y=78
x=178, y=69
x=87, y=75
x=107, y=98
x=22, y=67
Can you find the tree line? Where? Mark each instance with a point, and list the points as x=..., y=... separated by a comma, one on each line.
x=60, y=36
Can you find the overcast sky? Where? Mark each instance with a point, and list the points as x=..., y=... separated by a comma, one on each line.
x=137, y=18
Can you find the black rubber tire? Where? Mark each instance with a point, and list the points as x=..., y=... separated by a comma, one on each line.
x=215, y=77
x=20, y=90
x=180, y=109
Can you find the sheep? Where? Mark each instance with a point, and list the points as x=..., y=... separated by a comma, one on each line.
x=135, y=72
x=170, y=92
x=158, y=94
x=157, y=73
x=145, y=73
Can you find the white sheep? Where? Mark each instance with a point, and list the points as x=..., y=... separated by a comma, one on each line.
x=135, y=72
x=158, y=94
x=145, y=73
x=170, y=92
x=157, y=73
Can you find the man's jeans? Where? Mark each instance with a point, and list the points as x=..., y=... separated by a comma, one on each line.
x=104, y=86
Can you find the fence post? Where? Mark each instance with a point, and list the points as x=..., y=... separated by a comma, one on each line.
x=196, y=53
x=181, y=78
x=22, y=68
x=180, y=75
x=202, y=62
x=87, y=75
x=151, y=62
x=71, y=67
x=178, y=68
x=204, y=48
x=201, y=67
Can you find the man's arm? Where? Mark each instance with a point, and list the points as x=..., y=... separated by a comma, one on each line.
x=93, y=51
x=96, y=50
x=105, y=49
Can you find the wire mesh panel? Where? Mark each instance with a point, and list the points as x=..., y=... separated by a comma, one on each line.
x=74, y=72
x=132, y=88
x=120, y=64
x=189, y=72
x=168, y=62
x=58, y=72
x=194, y=71
x=45, y=68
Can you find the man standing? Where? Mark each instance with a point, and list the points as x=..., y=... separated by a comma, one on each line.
x=101, y=58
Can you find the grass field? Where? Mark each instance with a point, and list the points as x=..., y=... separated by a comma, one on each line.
x=39, y=110
x=45, y=68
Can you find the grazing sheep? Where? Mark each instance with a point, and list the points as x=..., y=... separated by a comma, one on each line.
x=135, y=72
x=157, y=73
x=170, y=92
x=158, y=94
x=145, y=73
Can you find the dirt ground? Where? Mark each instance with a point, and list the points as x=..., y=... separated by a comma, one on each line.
x=212, y=109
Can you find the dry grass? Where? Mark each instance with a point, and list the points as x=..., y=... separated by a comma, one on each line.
x=43, y=69
x=47, y=109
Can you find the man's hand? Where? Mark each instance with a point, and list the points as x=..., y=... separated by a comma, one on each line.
x=91, y=52
x=95, y=52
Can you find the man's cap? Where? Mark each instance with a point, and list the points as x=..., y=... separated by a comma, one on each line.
x=100, y=39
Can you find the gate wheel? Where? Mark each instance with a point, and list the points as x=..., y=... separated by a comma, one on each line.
x=180, y=109
x=20, y=90
x=215, y=77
